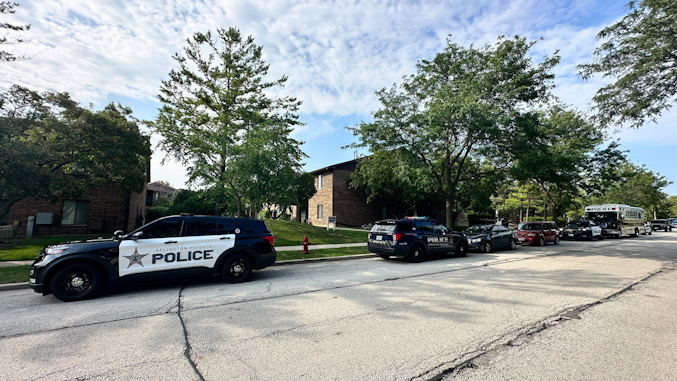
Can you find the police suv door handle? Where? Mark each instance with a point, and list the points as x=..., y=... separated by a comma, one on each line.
x=224, y=238
x=168, y=242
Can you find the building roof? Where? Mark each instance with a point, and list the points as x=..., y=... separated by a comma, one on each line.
x=334, y=166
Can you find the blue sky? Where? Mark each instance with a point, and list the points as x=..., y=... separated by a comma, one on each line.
x=337, y=54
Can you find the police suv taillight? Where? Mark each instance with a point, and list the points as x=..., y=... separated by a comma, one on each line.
x=270, y=239
x=397, y=236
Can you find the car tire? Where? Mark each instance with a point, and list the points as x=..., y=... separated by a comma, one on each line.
x=620, y=234
x=461, y=249
x=76, y=282
x=416, y=254
x=601, y=236
x=513, y=244
x=236, y=269
x=650, y=232
x=556, y=240
x=487, y=247
x=541, y=241
x=636, y=233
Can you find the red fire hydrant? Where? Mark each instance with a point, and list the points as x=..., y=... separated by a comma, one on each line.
x=305, y=245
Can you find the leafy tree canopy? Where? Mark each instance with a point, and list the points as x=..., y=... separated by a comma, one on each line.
x=219, y=119
x=459, y=108
x=50, y=147
x=640, y=54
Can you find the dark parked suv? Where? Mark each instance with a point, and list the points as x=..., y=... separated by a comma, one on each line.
x=171, y=246
x=414, y=238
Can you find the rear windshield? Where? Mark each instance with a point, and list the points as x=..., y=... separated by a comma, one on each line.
x=528, y=226
x=578, y=224
x=383, y=227
x=479, y=229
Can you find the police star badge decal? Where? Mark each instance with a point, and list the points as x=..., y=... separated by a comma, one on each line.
x=135, y=258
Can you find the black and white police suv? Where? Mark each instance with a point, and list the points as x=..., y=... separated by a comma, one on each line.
x=172, y=246
x=414, y=238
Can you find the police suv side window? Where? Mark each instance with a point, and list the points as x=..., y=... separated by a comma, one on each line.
x=163, y=229
x=203, y=227
x=439, y=228
x=425, y=226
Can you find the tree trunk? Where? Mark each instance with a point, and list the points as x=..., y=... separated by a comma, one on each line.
x=5, y=206
x=449, y=217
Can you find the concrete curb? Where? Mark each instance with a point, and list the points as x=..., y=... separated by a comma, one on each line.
x=22, y=286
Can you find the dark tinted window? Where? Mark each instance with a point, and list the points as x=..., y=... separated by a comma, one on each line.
x=163, y=229
x=208, y=227
x=405, y=226
x=439, y=228
x=425, y=226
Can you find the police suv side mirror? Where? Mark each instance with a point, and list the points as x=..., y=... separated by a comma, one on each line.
x=118, y=234
x=137, y=235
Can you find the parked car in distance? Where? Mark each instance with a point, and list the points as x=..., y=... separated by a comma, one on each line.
x=673, y=222
x=582, y=229
x=414, y=238
x=171, y=246
x=488, y=238
x=661, y=224
x=645, y=229
x=537, y=233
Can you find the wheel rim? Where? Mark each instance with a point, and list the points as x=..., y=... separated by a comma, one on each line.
x=238, y=268
x=541, y=241
x=76, y=282
x=513, y=245
x=487, y=247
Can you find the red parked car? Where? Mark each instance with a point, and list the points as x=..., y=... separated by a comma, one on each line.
x=537, y=233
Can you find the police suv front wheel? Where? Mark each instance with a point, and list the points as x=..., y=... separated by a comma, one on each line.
x=76, y=282
x=236, y=269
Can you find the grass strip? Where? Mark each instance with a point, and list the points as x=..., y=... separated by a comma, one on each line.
x=14, y=274
x=321, y=253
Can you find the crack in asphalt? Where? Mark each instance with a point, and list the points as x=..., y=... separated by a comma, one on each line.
x=521, y=336
x=187, y=351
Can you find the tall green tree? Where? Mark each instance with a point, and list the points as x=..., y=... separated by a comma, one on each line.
x=640, y=54
x=564, y=154
x=220, y=119
x=8, y=7
x=461, y=107
x=50, y=147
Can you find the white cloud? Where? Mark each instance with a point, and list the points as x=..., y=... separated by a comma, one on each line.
x=335, y=53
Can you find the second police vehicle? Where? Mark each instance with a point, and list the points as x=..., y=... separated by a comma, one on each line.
x=414, y=238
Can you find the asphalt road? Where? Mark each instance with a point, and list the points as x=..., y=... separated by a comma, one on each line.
x=580, y=310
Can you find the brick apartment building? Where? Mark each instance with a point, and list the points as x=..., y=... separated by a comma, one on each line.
x=335, y=198
x=99, y=211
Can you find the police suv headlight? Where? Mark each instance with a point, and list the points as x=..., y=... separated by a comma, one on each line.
x=586, y=229
x=476, y=240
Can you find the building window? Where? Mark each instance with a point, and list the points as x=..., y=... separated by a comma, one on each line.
x=319, y=212
x=74, y=212
x=319, y=181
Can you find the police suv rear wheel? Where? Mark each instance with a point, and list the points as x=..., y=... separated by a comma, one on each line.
x=416, y=254
x=76, y=282
x=237, y=268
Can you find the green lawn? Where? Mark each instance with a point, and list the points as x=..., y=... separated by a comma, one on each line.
x=323, y=253
x=29, y=249
x=290, y=233
x=17, y=274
